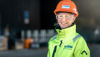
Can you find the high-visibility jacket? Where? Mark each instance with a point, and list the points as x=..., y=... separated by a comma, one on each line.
x=68, y=43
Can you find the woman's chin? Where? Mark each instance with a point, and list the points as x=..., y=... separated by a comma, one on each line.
x=63, y=27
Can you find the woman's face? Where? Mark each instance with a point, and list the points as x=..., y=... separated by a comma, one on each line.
x=65, y=19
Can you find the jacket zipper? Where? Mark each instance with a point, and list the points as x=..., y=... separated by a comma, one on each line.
x=60, y=43
x=54, y=51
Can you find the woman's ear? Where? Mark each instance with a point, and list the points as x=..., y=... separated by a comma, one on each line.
x=73, y=17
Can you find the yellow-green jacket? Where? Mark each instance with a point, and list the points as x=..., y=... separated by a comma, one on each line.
x=68, y=43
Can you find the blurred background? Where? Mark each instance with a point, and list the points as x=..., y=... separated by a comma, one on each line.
x=27, y=25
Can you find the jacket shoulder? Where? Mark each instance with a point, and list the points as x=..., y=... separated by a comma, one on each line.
x=81, y=39
x=53, y=38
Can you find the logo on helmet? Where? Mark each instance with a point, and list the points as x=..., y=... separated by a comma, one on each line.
x=65, y=6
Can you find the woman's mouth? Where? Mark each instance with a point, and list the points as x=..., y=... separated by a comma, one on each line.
x=63, y=23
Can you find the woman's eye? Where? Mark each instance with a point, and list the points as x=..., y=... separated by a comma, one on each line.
x=60, y=16
x=66, y=16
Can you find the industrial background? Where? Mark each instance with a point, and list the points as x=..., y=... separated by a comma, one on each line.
x=32, y=21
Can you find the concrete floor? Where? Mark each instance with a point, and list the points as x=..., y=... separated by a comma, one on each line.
x=24, y=53
x=42, y=52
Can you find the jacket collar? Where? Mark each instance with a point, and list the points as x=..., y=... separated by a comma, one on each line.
x=67, y=33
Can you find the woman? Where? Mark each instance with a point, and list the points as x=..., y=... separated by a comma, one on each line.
x=67, y=42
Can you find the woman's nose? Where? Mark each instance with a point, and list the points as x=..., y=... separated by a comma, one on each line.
x=63, y=19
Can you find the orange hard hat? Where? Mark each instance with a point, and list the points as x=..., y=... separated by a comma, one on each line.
x=66, y=6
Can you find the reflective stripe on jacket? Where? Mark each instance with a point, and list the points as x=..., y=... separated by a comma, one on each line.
x=68, y=43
